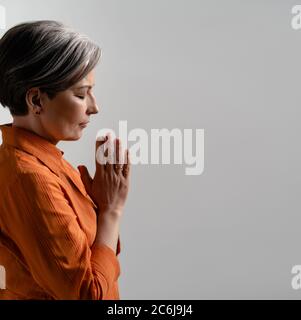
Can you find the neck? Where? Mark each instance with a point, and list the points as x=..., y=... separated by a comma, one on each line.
x=34, y=126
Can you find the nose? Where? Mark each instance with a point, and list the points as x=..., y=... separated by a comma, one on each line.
x=93, y=107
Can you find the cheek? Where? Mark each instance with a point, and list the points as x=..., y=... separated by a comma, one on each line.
x=70, y=112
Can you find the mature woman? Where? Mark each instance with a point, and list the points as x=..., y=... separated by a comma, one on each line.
x=59, y=228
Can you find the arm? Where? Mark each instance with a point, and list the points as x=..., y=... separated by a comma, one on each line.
x=108, y=231
x=108, y=189
x=55, y=248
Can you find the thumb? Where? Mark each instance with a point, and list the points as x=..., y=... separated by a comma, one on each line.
x=86, y=178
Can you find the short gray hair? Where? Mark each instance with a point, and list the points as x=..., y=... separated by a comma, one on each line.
x=45, y=54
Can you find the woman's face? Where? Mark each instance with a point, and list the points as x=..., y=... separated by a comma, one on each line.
x=65, y=116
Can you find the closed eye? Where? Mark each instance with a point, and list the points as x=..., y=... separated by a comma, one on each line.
x=81, y=97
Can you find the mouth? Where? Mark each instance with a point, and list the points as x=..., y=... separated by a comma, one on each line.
x=83, y=125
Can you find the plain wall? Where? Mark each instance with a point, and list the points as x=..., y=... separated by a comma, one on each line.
x=230, y=68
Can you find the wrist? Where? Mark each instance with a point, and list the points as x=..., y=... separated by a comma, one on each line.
x=107, y=231
x=109, y=215
x=117, y=213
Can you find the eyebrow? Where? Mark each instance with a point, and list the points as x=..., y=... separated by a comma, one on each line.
x=86, y=86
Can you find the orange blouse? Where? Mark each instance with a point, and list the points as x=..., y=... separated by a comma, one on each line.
x=48, y=226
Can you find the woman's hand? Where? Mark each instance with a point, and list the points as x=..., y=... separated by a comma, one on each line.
x=110, y=185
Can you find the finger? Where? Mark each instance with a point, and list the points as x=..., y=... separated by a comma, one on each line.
x=117, y=165
x=118, y=147
x=127, y=166
x=101, y=152
x=100, y=141
x=110, y=155
x=118, y=156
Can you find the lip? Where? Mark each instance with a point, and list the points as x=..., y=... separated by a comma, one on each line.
x=84, y=124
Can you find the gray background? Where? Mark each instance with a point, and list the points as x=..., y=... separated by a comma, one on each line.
x=232, y=68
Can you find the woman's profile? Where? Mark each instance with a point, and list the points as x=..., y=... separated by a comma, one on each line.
x=59, y=227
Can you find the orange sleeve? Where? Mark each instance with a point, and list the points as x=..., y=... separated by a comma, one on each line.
x=45, y=228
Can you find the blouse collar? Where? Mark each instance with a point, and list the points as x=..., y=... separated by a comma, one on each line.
x=34, y=144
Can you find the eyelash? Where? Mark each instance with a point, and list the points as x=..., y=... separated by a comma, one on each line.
x=80, y=97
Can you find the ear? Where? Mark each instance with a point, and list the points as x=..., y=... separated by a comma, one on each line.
x=34, y=101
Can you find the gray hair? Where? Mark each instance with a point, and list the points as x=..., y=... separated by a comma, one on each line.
x=45, y=54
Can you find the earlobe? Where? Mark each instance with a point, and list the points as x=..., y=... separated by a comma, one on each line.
x=36, y=104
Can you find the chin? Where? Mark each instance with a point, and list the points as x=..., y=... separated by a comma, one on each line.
x=74, y=137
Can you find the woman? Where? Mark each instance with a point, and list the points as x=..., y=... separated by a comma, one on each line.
x=59, y=229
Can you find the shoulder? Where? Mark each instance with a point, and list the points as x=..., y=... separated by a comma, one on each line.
x=19, y=167
x=17, y=161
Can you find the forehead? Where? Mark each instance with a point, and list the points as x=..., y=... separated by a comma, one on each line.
x=87, y=80
x=89, y=77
